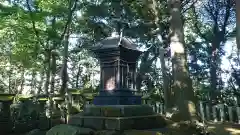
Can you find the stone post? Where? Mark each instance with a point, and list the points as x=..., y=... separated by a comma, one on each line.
x=158, y=104
x=202, y=110
x=208, y=112
x=238, y=114
x=230, y=109
x=214, y=110
x=222, y=113
x=162, y=110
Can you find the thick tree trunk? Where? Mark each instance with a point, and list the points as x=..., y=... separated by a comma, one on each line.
x=64, y=87
x=141, y=71
x=213, y=70
x=238, y=23
x=166, y=82
x=144, y=68
x=184, y=100
x=64, y=74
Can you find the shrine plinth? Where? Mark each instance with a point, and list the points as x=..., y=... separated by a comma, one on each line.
x=117, y=107
x=118, y=58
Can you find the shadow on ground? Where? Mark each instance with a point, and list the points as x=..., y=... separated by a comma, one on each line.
x=224, y=128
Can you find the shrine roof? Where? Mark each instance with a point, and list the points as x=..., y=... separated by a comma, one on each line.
x=115, y=42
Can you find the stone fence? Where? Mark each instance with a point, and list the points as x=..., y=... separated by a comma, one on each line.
x=215, y=113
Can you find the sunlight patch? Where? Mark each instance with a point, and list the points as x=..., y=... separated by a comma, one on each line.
x=233, y=131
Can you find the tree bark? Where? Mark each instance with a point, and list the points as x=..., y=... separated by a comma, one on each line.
x=33, y=82
x=238, y=23
x=22, y=80
x=40, y=83
x=10, y=83
x=48, y=70
x=64, y=87
x=166, y=82
x=53, y=69
x=78, y=76
x=184, y=100
x=213, y=67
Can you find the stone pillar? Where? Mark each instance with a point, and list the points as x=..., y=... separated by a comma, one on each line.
x=154, y=105
x=230, y=113
x=222, y=113
x=202, y=110
x=144, y=101
x=162, y=110
x=214, y=110
x=208, y=112
x=158, y=104
x=238, y=114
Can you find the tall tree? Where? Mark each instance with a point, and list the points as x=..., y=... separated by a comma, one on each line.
x=214, y=33
x=183, y=96
x=237, y=8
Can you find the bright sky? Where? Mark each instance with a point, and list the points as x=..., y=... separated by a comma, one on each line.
x=225, y=62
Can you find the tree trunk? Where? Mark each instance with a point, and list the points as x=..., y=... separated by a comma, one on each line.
x=166, y=88
x=64, y=87
x=184, y=100
x=33, y=82
x=238, y=23
x=48, y=70
x=10, y=79
x=78, y=76
x=144, y=68
x=39, y=89
x=213, y=69
x=53, y=69
x=22, y=80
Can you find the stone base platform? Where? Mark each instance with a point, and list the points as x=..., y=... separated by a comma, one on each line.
x=119, y=117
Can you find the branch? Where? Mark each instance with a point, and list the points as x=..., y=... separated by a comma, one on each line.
x=196, y=25
x=71, y=10
x=226, y=17
x=210, y=11
x=232, y=85
x=184, y=4
x=33, y=23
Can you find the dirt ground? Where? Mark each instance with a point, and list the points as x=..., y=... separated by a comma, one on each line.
x=224, y=128
x=215, y=128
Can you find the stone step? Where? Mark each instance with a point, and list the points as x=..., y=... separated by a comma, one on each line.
x=118, y=123
x=118, y=110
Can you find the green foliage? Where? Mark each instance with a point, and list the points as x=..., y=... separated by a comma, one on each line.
x=29, y=37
